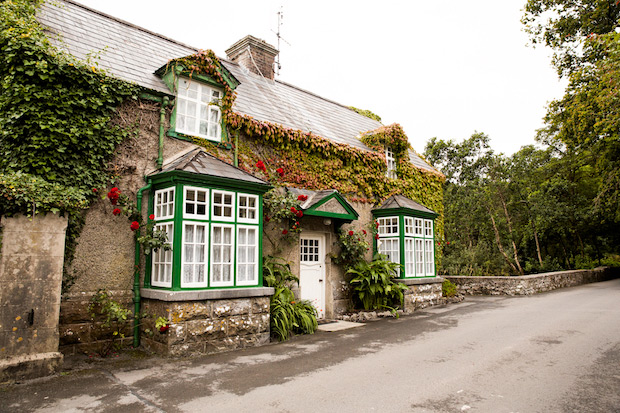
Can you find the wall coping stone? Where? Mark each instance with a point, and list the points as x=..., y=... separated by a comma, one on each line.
x=418, y=281
x=197, y=295
x=522, y=277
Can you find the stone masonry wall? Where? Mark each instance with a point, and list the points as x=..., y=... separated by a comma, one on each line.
x=205, y=327
x=423, y=293
x=31, y=275
x=531, y=284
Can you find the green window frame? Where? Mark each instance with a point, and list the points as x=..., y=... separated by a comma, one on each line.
x=215, y=235
x=408, y=240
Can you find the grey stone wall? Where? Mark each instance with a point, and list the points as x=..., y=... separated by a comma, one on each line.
x=422, y=293
x=531, y=284
x=206, y=326
x=31, y=276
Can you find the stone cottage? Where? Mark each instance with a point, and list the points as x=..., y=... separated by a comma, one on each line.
x=211, y=136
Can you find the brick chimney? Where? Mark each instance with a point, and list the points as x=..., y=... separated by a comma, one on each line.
x=254, y=54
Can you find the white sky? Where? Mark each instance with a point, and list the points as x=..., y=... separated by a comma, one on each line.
x=439, y=68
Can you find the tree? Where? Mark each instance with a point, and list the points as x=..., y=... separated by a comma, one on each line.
x=563, y=25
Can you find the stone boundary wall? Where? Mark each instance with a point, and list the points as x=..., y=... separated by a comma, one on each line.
x=531, y=284
x=207, y=326
x=422, y=293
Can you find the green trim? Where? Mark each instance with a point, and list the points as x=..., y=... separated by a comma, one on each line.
x=351, y=214
x=153, y=95
x=174, y=180
x=223, y=144
x=404, y=211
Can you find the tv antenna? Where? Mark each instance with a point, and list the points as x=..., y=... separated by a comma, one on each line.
x=277, y=65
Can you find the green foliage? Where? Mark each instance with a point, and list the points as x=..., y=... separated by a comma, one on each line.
x=374, y=285
x=54, y=110
x=113, y=316
x=352, y=248
x=564, y=25
x=448, y=289
x=367, y=113
x=288, y=315
x=533, y=211
x=31, y=194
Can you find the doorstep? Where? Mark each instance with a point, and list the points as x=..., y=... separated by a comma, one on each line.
x=338, y=325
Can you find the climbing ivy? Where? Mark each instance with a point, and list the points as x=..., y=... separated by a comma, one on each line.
x=313, y=162
x=55, y=112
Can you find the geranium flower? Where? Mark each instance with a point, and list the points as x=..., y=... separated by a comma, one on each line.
x=351, y=233
x=260, y=165
x=280, y=171
x=152, y=217
x=377, y=236
x=302, y=198
x=116, y=211
x=134, y=225
x=293, y=210
x=299, y=214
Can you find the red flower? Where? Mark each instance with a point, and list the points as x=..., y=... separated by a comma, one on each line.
x=377, y=224
x=448, y=243
x=115, y=189
x=284, y=231
x=113, y=195
x=116, y=211
x=94, y=189
x=152, y=217
x=364, y=231
x=351, y=233
x=297, y=223
x=299, y=214
x=267, y=219
x=377, y=236
x=302, y=198
x=293, y=210
x=134, y=225
x=280, y=171
x=260, y=165
x=165, y=328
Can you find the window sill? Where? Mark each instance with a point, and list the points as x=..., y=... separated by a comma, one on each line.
x=421, y=280
x=220, y=144
x=198, y=295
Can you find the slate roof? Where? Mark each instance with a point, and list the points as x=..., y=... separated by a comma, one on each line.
x=399, y=201
x=132, y=53
x=200, y=162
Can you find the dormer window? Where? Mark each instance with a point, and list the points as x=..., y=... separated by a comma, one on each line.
x=197, y=110
x=391, y=164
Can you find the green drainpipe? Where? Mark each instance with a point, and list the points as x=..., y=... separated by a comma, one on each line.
x=162, y=121
x=136, y=276
x=236, y=146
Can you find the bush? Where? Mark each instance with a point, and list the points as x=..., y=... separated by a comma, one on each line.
x=449, y=289
x=374, y=286
x=288, y=315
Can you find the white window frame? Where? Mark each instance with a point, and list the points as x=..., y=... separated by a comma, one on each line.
x=392, y=254
x=162, y=257
x=419, y=258
x=254, y=279
x=247, y=208
x=410, y=257
x=390, y=161
x=429, y=256
x=309, y=250
x=196, y=203
x=195, y=264
x=428, y=228
x=209, y=103
x=387, y=223
x=233, y=204
x=409, y=226
x=159, y=205
x=212, y=262
x=418, y=227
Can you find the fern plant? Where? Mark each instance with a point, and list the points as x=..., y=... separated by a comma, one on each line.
x=288, y=315
x=374, y=284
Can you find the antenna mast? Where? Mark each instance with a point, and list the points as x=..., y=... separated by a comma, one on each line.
x=277, y=62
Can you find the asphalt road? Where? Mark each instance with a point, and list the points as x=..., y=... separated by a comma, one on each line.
x=553, y=352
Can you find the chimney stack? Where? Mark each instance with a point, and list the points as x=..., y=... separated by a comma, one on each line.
x=254, y=54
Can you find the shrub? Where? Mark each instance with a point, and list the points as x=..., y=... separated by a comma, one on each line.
x=288, y=315
x=449, y=289
x=374, y=286
x=352, y=246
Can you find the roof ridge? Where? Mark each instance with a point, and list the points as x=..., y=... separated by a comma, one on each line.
x=126, y=23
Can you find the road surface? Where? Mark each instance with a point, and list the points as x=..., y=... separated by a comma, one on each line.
x=553, y=352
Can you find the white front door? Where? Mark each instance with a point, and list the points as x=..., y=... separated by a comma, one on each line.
x=312, y=271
